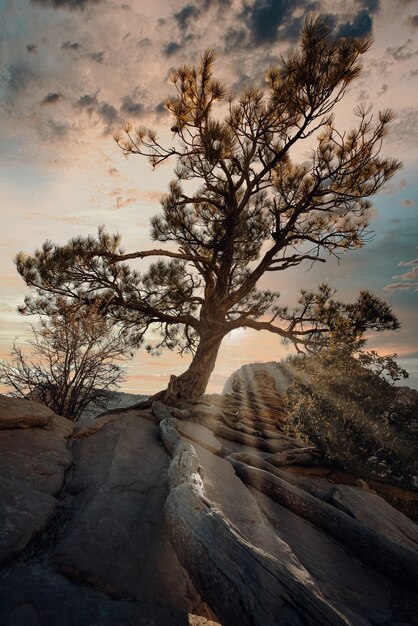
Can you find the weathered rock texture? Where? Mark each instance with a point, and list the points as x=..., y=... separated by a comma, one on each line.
x=32, y=465
x=164, y=510
x=16, y=413
x=116, y=539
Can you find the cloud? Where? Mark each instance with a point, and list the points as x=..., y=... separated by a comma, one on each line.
x=414, y=262
x=403, y=52
x=132, y=108
x=382, y=90
x=264, y=17
x=108, y=113
x=87, y=100
x=70, y=45
x=359, y=26
x=408, y=280
x=171, y=48
x=412, y=21
x=52, y=98
x=54, y=130
x=98, y=57
x=186, y=15
x=401, y=287
x=17, y=77
x=66, y=4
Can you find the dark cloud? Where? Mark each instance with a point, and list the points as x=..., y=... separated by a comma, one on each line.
x=171, y=48
x=52, y=98
x=17, y=77
x=66, y=4
x=130, y=107
x=185, y=15
x=412, y=21
x=264, y=17
x=360, y=25
x=372, y=6
x=161, y=110
x=108, y=113
x=54, y=130
x=32, y=48
x=98, y=57
x=402, y=53
x=70, y=45
x=87, y=101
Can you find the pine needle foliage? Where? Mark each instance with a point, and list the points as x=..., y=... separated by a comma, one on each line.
x=239, y=206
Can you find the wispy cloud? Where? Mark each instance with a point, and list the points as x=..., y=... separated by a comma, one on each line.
x=406, y=281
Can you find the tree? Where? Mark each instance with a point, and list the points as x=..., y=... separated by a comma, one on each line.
x=74, y=359
x=240, y=206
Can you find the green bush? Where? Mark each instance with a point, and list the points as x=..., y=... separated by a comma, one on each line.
x=349, y=408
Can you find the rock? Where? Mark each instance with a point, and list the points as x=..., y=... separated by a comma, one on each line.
x=32, y=466
x=358, y=592
x=19, y=413
x=34, y=456
x=35, y=596
x=245, y=573
x=199, y=434
x=116, y=539
x=61, y=426
x=374, y=512
x=379, y=550
x=269, y=377
x=24, y=512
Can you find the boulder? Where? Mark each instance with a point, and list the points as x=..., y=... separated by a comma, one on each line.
x=19, y=413
x=24, y=512
x=32, y=466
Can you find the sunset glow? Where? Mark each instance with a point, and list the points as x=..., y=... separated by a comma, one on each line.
x=75, y=72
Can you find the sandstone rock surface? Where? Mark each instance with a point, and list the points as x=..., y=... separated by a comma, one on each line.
x=116, y=539
x=17, y=413
x=32, y=465
x=145, y=533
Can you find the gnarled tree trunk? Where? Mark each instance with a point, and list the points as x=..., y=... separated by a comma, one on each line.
x=193, y=382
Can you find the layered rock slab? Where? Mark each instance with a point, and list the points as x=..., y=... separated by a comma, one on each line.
x=33, y=461
x=247, y=574
x=116, y=540
x=223, y=531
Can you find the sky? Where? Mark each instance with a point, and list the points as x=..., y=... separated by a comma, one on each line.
x=74, y=72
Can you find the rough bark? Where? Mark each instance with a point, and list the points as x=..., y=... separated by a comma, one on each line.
x=390, y=558
x=193, y=382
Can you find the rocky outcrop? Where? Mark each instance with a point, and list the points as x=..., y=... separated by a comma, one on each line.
x=32, y=595
x=230, y=517
x=295, y=585
x=16, y=413
x=33, y=459
x=116, y=539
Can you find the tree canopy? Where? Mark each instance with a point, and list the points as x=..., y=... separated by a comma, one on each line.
x=240, y=205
